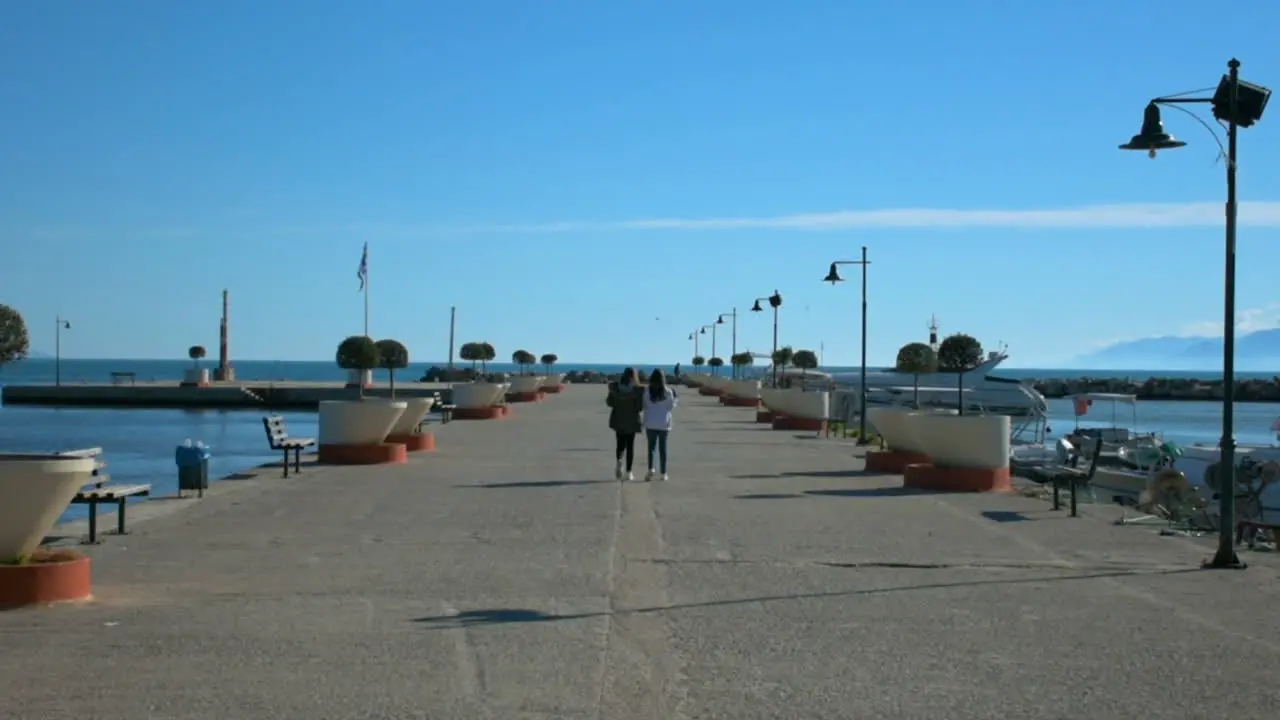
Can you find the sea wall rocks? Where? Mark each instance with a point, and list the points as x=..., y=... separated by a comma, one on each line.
x=1158, y=388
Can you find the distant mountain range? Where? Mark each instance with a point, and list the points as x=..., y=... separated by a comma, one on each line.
x=1255, y=352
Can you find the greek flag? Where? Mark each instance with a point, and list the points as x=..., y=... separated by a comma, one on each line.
x=363, y=272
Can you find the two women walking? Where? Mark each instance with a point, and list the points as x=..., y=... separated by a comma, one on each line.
x=635, y=408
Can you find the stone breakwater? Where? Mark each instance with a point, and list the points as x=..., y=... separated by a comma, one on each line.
x=1158, y=388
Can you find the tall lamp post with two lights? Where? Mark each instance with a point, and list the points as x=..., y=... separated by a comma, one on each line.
x=1238, y=104
x=775, y=302
x=720, y=321
x=833, y=277
x=57, y=348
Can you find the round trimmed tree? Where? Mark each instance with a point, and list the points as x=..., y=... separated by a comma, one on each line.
x=741, y=360
x=196, y=353
x=489, y=354
x=916, y=359
x=805, y=359
x=959, y=354
x=524, y=360
x=549, y=359
x=392, y=356
x=14, y=342
x=716, y=362
x=698, y=361
x=358, y=352
x=472, y=352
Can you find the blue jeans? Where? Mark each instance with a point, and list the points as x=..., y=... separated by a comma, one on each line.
x=657, y=441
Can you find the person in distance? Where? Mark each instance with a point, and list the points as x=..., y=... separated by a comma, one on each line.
x=659, y=402
x=626, y=402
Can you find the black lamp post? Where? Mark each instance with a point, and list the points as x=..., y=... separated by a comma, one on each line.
x=1238, y=104
x=775, y=301
x=833, y=277
x=734, y=350
x=57, y=348
x=703, y=331
x=694, y=337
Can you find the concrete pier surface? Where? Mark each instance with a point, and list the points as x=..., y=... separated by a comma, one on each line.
x=508, y=576
x=276, y=395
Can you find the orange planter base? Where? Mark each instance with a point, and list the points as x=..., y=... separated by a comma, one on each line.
x=534, y=396
x=764, y=416
x=924, y=476
x=382, y=453
x=485, y=413
x=39, y=583
x=420, y=442
x=506, y=410
x=732, y=401
x=553, y=389
x=786, y=422
x=709, y=392
x=893, y=462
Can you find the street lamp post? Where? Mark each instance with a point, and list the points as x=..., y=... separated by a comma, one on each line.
x=60, y=325
x=734, y=350
x=1239, y=104
x=833, y=277
x=694, y=337
x=775, y=301
x=703, y=331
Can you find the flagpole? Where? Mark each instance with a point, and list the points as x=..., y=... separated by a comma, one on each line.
x=364, y=263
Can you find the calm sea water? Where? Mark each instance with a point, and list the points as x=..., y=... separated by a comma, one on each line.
x=139, y=443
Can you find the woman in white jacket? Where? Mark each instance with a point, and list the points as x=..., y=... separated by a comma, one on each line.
x=659, y=402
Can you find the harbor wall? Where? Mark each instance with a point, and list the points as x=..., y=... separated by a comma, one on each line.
x=1158, y=388
x=258, y=396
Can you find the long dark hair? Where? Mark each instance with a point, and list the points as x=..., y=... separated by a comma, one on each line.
x=657, y=385
x=629, y=377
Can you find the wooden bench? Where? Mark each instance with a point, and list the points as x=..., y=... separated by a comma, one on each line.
x=98, y=493
x=278, y=438
x=118, y=378
x=446, y=411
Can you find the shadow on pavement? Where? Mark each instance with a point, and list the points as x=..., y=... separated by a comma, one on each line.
x=503, y=616
x=767, y=496
x=809, y=473
x=537, y=484
x=870, y=492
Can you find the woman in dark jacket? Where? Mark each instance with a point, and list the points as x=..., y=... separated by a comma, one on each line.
x=626, y=398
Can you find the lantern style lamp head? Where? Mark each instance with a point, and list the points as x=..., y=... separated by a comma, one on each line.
x=720, y=320
x=775, y=300
x=833, y=276
x=1153, y=137
x=756, y=307
x=703, y=331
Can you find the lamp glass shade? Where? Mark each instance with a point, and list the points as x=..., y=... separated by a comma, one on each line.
x=1153, y=136
x=833, y=275
x=756, y=307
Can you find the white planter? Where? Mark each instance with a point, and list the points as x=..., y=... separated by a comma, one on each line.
x=195, y=376
x=813, y=405
x=963, y=441
x=526, y=383
x=770, y=397
x=553, y=380
x=34, y=492
x=416, y=409
x=749, y=389
x=362, y=378
x=359, y=422
x=479, y=394
x=892, y=425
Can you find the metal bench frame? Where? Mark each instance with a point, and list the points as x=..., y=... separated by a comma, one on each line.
x=278, y=439
x=103, y=494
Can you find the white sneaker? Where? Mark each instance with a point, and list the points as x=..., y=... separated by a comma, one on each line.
x=665, y=477
x=630, y=475
x=617, y=471
x=650, y=475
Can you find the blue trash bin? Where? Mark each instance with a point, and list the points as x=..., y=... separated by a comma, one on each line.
x=192, y=460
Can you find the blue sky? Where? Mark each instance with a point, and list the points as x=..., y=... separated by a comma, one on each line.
x=597, y=179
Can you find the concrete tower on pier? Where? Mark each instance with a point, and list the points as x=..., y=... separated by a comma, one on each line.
x=224, y=372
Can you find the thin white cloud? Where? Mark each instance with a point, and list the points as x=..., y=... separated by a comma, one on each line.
x=1146, y=215
x=1247, y=321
